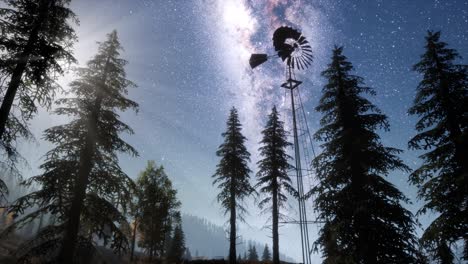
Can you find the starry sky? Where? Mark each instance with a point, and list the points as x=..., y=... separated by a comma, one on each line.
x=190, y=61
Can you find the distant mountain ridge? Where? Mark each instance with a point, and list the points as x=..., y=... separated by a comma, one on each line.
x=205, y=239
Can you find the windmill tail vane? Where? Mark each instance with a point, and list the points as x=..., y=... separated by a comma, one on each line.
x=257, y=59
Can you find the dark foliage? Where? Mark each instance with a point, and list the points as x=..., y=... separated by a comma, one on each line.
x=176, y=252
x=364, y=221
x=273, y=179
x=441, y=102
x=87, y=146
x=266, y=255
x=187, y=255
x=232, y=176
x=252, y=254
x=158, y=206
x=36, y=40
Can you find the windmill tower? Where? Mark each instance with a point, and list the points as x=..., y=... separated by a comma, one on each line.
x=294, y=50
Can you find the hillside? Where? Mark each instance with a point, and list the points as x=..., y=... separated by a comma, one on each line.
x=211, y=241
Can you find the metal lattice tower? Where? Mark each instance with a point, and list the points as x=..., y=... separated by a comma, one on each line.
x=293, y=48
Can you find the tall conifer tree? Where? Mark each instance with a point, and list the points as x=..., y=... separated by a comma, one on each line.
x=364, y=219
x=273, y=178
x=83, y=185
x=441, y=103
x=253, y=255
x=266, y=255
x=232, y=176
x=188, y=255
x=176, y=250
x=103, y=86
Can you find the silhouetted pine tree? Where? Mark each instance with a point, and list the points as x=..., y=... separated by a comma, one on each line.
x=176, y=251
x=232, y=176
x=36, y=37
x=82, y=184
x=266, y=255
x=157, y=206
x=364, y=220
x=188, y=255
x=253, y=255
x=273, y=178
x=442, y=104
x=168, y=227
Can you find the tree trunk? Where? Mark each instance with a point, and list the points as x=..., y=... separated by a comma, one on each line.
x=41, y=221
x=23, y=59
x=132, y=252
x=85, y=166
x=232, y=220
x=276, y=259
x=86, y=163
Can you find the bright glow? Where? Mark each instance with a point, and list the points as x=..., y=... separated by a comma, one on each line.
x=236, y=16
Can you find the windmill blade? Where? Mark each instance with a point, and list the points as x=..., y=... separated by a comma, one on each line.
x=291, y=46
x=307, y=62
x=302, y=65
x=299, y=63
x=305, y=65
x=302, y=40
x=309, y=56
x=307, y=47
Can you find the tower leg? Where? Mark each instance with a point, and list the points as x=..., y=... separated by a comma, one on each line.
x=291, y=85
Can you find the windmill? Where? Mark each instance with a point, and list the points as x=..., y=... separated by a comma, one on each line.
x=291, y=46
x=295, y=51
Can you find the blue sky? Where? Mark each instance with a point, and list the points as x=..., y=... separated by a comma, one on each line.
x=190, y=61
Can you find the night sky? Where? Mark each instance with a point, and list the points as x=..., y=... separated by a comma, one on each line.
x=190, y=61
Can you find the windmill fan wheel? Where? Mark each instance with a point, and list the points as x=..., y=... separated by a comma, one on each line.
x=292, y=47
